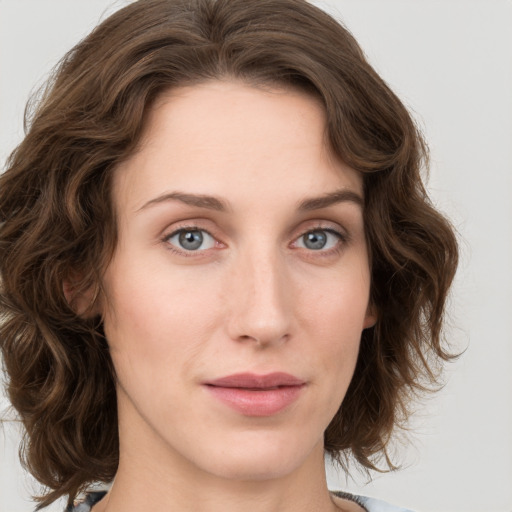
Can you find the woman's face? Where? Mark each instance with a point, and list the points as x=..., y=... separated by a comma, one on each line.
x=239, y=287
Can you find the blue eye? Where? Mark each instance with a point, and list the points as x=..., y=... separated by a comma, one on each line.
x=191, y=239
x=196, y=240
x=319, y=239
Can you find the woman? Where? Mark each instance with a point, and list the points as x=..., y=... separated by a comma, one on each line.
x=218, y=262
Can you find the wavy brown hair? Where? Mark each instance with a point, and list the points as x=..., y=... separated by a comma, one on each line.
x=57, y=223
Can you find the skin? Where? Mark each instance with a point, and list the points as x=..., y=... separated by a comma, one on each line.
x=253, y=298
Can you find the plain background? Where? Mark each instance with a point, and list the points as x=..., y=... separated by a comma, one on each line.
x=451, y=63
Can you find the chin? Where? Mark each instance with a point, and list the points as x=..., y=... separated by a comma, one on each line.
x=263, y=460
x=248, y=468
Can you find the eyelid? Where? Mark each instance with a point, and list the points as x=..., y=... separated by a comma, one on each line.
x=323, y=225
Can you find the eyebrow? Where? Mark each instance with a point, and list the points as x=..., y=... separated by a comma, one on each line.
x=338, y=196
x=217, y=204
x=199, y=200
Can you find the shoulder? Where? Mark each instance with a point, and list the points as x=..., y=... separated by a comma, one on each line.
x=370, y=504
x=86, y=505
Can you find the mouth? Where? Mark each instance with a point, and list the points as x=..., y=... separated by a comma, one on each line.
x=257, y=382
x=257, y=395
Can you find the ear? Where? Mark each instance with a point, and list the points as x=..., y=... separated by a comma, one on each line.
x=371, y=316
x=84, y=302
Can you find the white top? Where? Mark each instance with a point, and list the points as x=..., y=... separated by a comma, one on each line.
x=370, y=504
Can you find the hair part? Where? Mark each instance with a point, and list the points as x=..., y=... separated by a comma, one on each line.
x=58, y=225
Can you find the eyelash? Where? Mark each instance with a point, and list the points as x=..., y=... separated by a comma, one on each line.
x=342, y=240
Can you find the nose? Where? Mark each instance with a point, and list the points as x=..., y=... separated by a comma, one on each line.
x=260, y=302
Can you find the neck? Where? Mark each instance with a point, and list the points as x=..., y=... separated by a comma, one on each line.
x=148, y=485
x=145, y=481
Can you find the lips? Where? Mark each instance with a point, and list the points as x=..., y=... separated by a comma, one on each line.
x=251, y=380
x=257, y=395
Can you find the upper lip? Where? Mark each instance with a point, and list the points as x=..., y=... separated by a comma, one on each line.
x=255, y=381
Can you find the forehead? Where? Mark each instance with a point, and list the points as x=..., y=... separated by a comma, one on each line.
x=231, y=138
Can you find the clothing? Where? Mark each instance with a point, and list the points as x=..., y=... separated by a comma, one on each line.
x=369, y=504
x=90, y=500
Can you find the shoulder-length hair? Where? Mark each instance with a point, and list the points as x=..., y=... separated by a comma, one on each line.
x=57, y=223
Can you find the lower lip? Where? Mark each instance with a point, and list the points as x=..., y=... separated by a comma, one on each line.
x=264, y=402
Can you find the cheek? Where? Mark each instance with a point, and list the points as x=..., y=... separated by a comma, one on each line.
x=334, y=315
x=338, y=302
x=155, y=319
